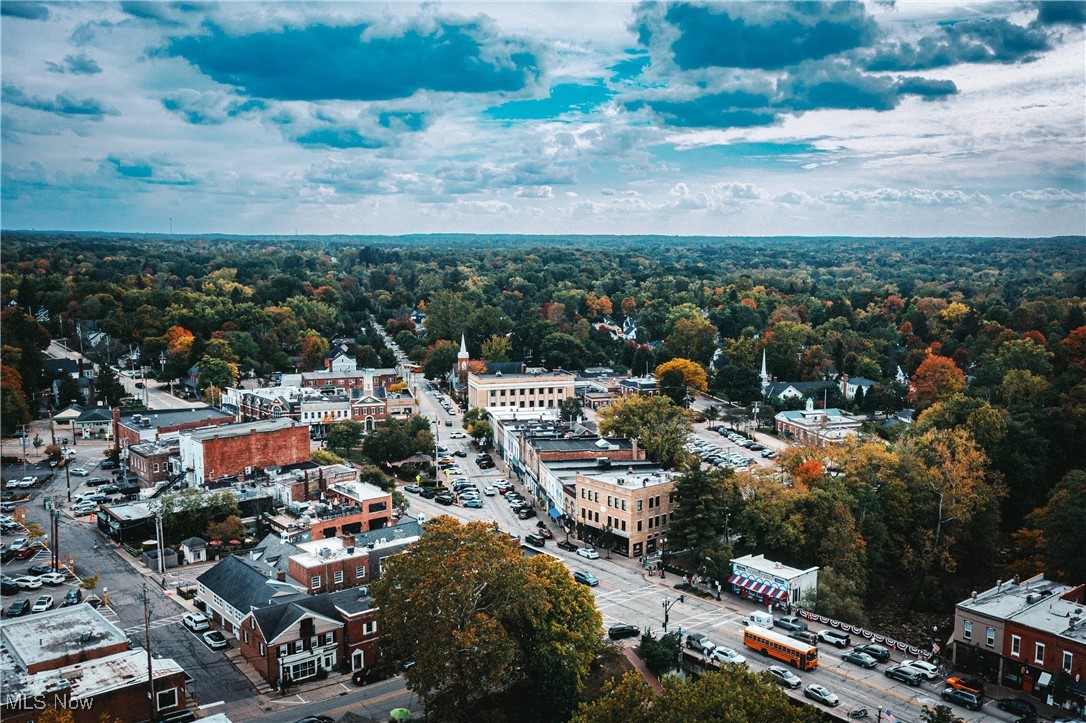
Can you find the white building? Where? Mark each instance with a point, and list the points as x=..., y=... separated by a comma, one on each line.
x=772, y=583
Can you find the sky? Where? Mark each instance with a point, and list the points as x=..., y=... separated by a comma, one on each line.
x=722, y=119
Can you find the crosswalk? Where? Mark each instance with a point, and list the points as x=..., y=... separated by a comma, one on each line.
x=156, y=624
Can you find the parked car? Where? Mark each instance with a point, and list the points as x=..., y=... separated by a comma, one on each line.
x=861, y=659
x=79, y=472
x=586, y=578
x=878, y=652
x=53, y=578
x=474, y=504
x=966, y=698
x=973, y=685
x=623, y=630
x=365, y=676
x=108, y=464
x=790, y=622
x=1018, y=706
x=42, y=604
x=17, y=608
x=413, y=489
x=924, y=669
x=698, y=641
x=526, y=512
x=72, y=597
x=39, y=569
x=904, y=673
x=490, y=491
x=545, y=533
x=769, y=453
x=196, y=622
x=215, y=640
x=821, y=695
x=537, y=540
x=727, y=655
x=8, y=586
x=429, y=492
x=588, y=553
x=567, y=545
x=84, y=508
x=835, y=637
x=785, y=677
x=28, y=582
x=805, y=635
x=444, y=499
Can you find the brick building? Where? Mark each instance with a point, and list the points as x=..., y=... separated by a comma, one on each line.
x=366, y=379
x=520, y=391
x=72, y=658
x=242, y=449
x=636, y=506
x=150, y=461
x=1028, y=635
x=136, y=426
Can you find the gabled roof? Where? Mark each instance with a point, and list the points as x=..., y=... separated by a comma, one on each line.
x=70, y=412
x=276, y=619
x=95, y=414
x=777, y=388
x=194, y=543
x=245, y=587
x=861, y=382
x=60, y=366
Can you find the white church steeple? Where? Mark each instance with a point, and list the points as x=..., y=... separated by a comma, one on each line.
x=766, y=379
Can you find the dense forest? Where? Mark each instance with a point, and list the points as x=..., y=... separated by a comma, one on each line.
x=987, y=482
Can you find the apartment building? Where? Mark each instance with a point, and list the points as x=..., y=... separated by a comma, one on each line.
x=636, y=506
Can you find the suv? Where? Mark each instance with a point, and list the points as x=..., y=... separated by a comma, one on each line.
x=697, y=641
x=905, y=674
x=72, y=597
x=536, y=540
x=970, y=700
x=878, y=652
x=196, y=622
x=972, y=685
x=567, y=545
x=835, y=637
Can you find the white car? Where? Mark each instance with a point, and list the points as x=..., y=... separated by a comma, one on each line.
x=196, y=622
x=25, y=482
x=924, y=669
x=80, y=472
x=727, y=655
x=28, y=582
x=489, y=491
x=457, y=435
x=42, y=604
x=588, y=552
x=53, y=578
x=84, y=508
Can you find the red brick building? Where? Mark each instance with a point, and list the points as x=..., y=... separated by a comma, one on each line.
x=242, y=449
x=367, y=379
x=132, y=426
x=150, y=461
x=1028, y=635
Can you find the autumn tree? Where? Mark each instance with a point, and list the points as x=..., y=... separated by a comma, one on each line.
x=662, y=427
x=675, y=376
x=497, y=349
x=466, y=594
x=692, y=339
x=14, y=409
x=314, y=347
x=739, y=694
x=231, y=528
x=936, y=378
x=440, y=359
x=939, y=714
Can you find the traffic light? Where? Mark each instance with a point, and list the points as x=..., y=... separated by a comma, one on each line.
x=682, y=598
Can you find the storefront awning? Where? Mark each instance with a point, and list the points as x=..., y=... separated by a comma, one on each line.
x=750, y=583
x=732, y=580
x=781, y=594
x=554, y=513
x=1044, y=679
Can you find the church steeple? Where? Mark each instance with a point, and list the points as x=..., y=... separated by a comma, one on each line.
x=766, y=379
x=463, y=356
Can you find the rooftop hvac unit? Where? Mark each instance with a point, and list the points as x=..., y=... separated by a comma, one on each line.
x=325, y=553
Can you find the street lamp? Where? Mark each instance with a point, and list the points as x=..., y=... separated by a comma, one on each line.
x=668, y=604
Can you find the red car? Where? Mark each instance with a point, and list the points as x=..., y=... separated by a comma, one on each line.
x=25, y=553
x=546, y=533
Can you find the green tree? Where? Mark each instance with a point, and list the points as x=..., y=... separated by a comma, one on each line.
x=189, y=512
x=440, y=359
x=661, y=655
x=68, y=392
x=323, y=457
x=839, y=597
x=389, y=442
x=344, y=435
x=480, y=431
x=570, y=409
x=109, y=387
x=939, y=714
x=217, y=373
x=703, y=501
x=465, y=593
x=662, y=427
x=560, y=350
x=692, y=339
x=1062, y=522
x=497, y=349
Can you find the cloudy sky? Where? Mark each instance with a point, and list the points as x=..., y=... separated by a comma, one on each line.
x=746, y=118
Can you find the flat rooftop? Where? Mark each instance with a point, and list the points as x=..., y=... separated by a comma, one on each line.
x=631, y=480
x=1008, y=599
x=227, y=431
x=169, y=417
x=46, y=636
x=130, y=511
x=92, y=678
x=760, y=563
x=581, y=444
x=360, y=491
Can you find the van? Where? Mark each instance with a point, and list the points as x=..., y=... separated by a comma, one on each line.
x=761, y=619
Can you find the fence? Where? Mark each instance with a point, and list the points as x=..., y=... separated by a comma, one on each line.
x=912, y=650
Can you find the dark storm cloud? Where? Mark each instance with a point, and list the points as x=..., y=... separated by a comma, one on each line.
x=981, y=40
x=64, y=104
x=1071, y=12
x=76, y=65
x=321, y=62
x=766, y=35
x=25, y=10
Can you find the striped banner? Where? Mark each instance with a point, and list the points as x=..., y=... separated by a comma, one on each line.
x=912, y=650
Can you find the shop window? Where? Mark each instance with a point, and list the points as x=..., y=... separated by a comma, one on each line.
x=967, y=630
x=1039, y=654
x=1016, y=645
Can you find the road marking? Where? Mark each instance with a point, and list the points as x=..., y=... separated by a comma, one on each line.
x=212, y=705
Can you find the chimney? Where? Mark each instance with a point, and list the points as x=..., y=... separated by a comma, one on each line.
x=280, y=575
x=633, y=449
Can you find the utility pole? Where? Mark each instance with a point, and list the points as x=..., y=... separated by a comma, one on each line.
x=161, y=547
x=54, y=517
x=68, y=476
x=147, y=643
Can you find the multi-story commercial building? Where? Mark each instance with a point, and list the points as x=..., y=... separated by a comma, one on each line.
x=366, y=379
x=242, y=449
x=520, y=391
x=1028, y=635
x=636, y=506
x=138, y=426
x=150, y=461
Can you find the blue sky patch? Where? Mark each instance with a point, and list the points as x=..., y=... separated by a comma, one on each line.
x=564, y=98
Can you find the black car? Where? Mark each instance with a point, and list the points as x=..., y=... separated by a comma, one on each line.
x=904, y=673
x=428, y=492
x=623, y=630
x=109, y=464
x=365, y=676
x=444, y=499
x=525, y=512
x=459, y=453
x=567, y=545
x=1018, y=706
x=94, y=482
x=72, y=597
x=970, y=700
x=40, y=570
x=17, y=608
x=805, y=635
x=878, y=652
x=8, y=586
